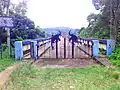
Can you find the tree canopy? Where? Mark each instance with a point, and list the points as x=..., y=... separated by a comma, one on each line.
x=111, y=10
x=24, y=28
x=105, y=24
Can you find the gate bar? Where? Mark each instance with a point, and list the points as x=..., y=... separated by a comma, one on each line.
x=64, y=48
x=56, y=48
x=72, y=49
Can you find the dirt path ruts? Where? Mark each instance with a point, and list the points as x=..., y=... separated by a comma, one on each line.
x=4, y=75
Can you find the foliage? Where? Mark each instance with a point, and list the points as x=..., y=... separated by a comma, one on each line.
x=111, y=10
x=29, y=77
x=102, y=51
x=6, y=61
x=115, y=56
x=106, y=24
x=19, y=9
x=3, y=35
x=4, y=47
x=40, y=32
x=84, y=33
x=24, y=28
x=97, y=27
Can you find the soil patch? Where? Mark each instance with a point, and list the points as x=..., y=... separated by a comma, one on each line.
x=65, y=63
x=4, y=75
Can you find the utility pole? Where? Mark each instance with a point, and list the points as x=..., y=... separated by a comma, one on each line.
x=8, y=30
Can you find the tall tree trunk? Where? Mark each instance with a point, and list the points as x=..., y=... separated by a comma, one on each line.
x=114, y=19
x=111, y=20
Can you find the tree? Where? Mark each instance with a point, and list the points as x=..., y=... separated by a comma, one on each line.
x=24, y=28
x=107, y=23
x=20, y=8
x=13, y=10
x=111, y=9
x=40, y=32
x=97, y=28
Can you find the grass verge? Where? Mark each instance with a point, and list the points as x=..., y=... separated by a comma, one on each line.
x=6, y=61
x=29, y=77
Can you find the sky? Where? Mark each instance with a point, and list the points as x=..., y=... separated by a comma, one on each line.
x=60, y=13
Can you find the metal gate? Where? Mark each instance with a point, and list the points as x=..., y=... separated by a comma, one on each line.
x=65, y=46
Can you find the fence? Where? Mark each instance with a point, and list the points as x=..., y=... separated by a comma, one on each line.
x=97, y=47
x=85, y=45
x=36, y=48
x=42, y=46
x=23, y=49
x=30, y=48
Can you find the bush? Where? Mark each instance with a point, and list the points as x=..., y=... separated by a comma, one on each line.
x=4, y=47
x=6, y=60
x=115, y=56
x=102, y=51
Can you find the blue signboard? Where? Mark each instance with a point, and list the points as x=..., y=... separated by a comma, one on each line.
x=6, y=21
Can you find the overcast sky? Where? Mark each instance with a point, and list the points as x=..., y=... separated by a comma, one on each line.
x=55, y=13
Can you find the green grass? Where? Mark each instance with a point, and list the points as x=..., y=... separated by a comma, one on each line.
x=29, y=77
x=6, y=61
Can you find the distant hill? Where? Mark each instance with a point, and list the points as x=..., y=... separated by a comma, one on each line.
x=50, y=31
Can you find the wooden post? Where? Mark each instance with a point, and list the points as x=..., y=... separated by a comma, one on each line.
x=72, y=49
x=64, y=48
x=95, y=48
x=18, y=50
x=56, y=48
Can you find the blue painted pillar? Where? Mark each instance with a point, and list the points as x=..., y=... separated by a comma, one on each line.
x=95, y=48
x=110, y=46
x=35, y=55
x=18, y=50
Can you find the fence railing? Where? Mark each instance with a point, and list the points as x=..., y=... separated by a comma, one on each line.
x=27, y=49
x=98, y=47
x=24, y=49
x=31, y=48
x=36, y=48
x=42, y=46
x=85, y=45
